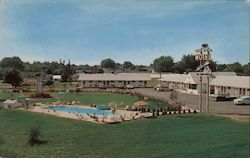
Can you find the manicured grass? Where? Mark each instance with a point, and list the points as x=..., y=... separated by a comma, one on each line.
x=167, y=136
x=85, y=98
x=98, y=98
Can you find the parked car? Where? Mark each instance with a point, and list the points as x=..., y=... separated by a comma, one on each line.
x=162, y=88
x=223, y=97
x=244, y=100
x=101, y=86
x=121, y=86
x=130, y=86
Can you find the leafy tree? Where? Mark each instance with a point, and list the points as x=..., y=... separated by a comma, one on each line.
x=97, y=69
x=187, y=63
x=108, y=63
x=12, y=76
x=163, y=64
x=141, y=67
x=128, y=65
x=246, y=69
x=84, y=68
x=221, y=67
x=118, y=66
x=213, y=66
x=235, y=67
x=1, y=75
x=67, y=73
x=12, y=62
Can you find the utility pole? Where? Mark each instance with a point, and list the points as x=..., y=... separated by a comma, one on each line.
x=208, y=91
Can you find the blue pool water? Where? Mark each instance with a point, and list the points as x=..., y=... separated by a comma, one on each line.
x=81, y=110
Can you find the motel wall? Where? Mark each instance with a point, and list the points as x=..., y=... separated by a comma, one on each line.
x=231, y=90
x=114, y=84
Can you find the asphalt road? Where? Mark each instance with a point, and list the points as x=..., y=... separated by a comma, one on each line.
x=192, y=101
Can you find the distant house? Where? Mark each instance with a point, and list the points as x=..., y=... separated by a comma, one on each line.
x=57, y=77
x=8, y=104
x=114, y=79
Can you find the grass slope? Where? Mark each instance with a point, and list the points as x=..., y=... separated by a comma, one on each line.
x=168, y=136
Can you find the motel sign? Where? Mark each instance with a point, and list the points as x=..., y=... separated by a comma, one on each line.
x=203, y=53
x=203, y=57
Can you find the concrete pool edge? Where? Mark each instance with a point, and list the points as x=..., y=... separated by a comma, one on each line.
x=124, y=115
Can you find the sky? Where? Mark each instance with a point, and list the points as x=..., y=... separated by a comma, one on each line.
x=87, y=31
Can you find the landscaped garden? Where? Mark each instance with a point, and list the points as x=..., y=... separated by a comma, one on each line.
x=168, y=136
x=88, y=98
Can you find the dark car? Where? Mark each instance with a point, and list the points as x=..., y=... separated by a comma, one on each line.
x=224, y=97
x=101, y=86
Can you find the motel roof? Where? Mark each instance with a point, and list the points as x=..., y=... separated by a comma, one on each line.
x=194, y=78
x=115, y=77
x=174, y=77
x=232, y=81
x=224, y=73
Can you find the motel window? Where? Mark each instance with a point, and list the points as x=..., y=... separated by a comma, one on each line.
x=90, y=81
x=192, y=86
x=228, y=87
x=248, y=90
x=112, y=81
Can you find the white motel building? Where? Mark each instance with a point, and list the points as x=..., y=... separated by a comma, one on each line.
x=113, y=80
x=220, y=83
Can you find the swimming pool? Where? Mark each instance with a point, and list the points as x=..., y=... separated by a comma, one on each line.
x=82, y=110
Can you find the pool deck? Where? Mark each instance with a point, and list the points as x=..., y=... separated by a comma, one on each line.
x=124, y=115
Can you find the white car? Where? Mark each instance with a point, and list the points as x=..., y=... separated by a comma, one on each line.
x=242, y=100
x=129, y=86
x=160, y=87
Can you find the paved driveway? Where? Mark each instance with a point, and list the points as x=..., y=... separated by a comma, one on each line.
x=192, y=101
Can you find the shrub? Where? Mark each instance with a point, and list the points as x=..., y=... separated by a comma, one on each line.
x=78, y=90
x=49, y=82
x=40, y=95
x=34, y=137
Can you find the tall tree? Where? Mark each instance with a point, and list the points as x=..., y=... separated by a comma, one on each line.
x=12, y=76
x=128, y=65
x=235, y=67
x=163, y=64
x=12, y=62
x=67, y=73
x=246, y=69
x=108, y=63
x=221, y=67
x=187, y=63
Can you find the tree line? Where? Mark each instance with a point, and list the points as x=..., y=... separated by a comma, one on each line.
x=11, y=68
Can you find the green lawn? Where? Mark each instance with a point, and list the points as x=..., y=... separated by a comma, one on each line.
x=167, y=136
x=85, y=98
x=98, y=98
